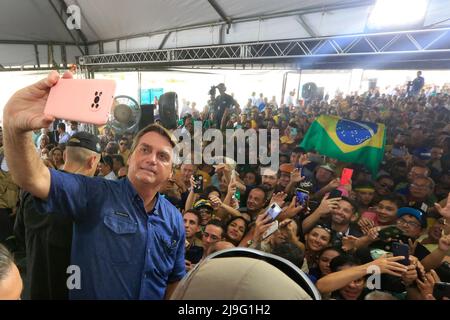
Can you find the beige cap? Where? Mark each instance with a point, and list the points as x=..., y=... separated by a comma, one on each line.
x=238, y=278
x=268, y=172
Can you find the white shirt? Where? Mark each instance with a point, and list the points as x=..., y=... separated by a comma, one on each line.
x=185, y=110
x=111, y=176
x=290, y=100
x=64, y=138
x=4, y=165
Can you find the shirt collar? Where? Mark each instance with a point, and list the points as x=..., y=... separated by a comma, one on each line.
x=135, y=196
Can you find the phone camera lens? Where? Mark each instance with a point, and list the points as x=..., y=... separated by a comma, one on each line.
x=92, y=105
x=97, y=99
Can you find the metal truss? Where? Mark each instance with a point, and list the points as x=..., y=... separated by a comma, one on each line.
x=372, y=45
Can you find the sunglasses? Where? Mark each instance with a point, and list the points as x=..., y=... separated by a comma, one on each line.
x=411, y=224
x=324, y=228
x=387, y=186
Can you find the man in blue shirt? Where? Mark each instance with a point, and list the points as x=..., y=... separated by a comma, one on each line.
x=417, y=84
x=128, y=241
x=63, y=136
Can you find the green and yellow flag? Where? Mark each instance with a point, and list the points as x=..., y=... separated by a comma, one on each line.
x=347, y=140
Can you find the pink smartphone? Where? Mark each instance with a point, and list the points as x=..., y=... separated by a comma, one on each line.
x=346, y=176
x=88, y=101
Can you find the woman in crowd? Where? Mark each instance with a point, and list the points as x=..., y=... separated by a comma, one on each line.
x=324, y=258
x=236, y=229
x=56, y=156
x=315, y=241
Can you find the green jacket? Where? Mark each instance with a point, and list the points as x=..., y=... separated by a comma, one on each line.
x=9, y=191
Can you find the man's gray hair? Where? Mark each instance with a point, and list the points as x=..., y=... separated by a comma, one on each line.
x=380, y=295
x=6, y=262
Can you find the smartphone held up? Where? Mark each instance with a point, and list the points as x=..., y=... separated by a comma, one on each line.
x=82, y=100
x=198, y=188
x=302, y=196
x=274, y=210
x=346, y=177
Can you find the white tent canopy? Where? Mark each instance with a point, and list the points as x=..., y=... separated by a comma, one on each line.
x=34, y=32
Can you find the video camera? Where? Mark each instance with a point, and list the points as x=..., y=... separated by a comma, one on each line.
x=212, y=91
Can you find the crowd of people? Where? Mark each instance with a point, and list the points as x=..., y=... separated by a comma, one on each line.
x=334, y=235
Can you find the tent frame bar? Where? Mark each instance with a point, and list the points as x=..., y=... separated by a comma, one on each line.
x=432, y=41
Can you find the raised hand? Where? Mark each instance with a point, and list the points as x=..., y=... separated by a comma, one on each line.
x=427, y=285
x=407, y=157
x=303, y=160
x=326, y=205
x=215, y=201
x=25, y=109
x=444, y=243
x=445, y=211
x=373, y=233
x=333, y=184
x=365, y=225
x=296, y=207
x=410, y=275
x=262, y=223
x=412, y=246
x=192, y=183
x=290, y=227
x=390, y=265
x=278, y=198
x=348, y=187
x=349, y=243
x=232, y=187
x=296, y=175
x=188, y=265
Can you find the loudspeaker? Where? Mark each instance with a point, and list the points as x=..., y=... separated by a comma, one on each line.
x=168, y=110
x=309, y=91
x=320, y=93
x=147, y=115
x=372, y=83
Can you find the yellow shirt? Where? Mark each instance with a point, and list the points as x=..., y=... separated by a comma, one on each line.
x=125, y=155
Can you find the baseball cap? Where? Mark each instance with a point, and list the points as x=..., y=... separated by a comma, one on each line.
x=222, y=86
x=416, y=213
x=328, y=166
x=286, y=139
x=85, y=140
x=422, y=153
x=286, y=167
x=268, y=172
x=202, y=203
x=364, y=186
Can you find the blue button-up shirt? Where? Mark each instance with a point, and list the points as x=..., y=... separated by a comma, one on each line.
x=123, y=251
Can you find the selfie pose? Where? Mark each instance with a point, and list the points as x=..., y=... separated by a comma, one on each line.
x=128, y=241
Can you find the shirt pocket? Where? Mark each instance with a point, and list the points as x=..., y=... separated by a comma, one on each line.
x=121, y=241
x=166, y=248
x=120, y=225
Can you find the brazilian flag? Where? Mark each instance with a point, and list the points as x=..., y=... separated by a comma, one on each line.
x=347, y=140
